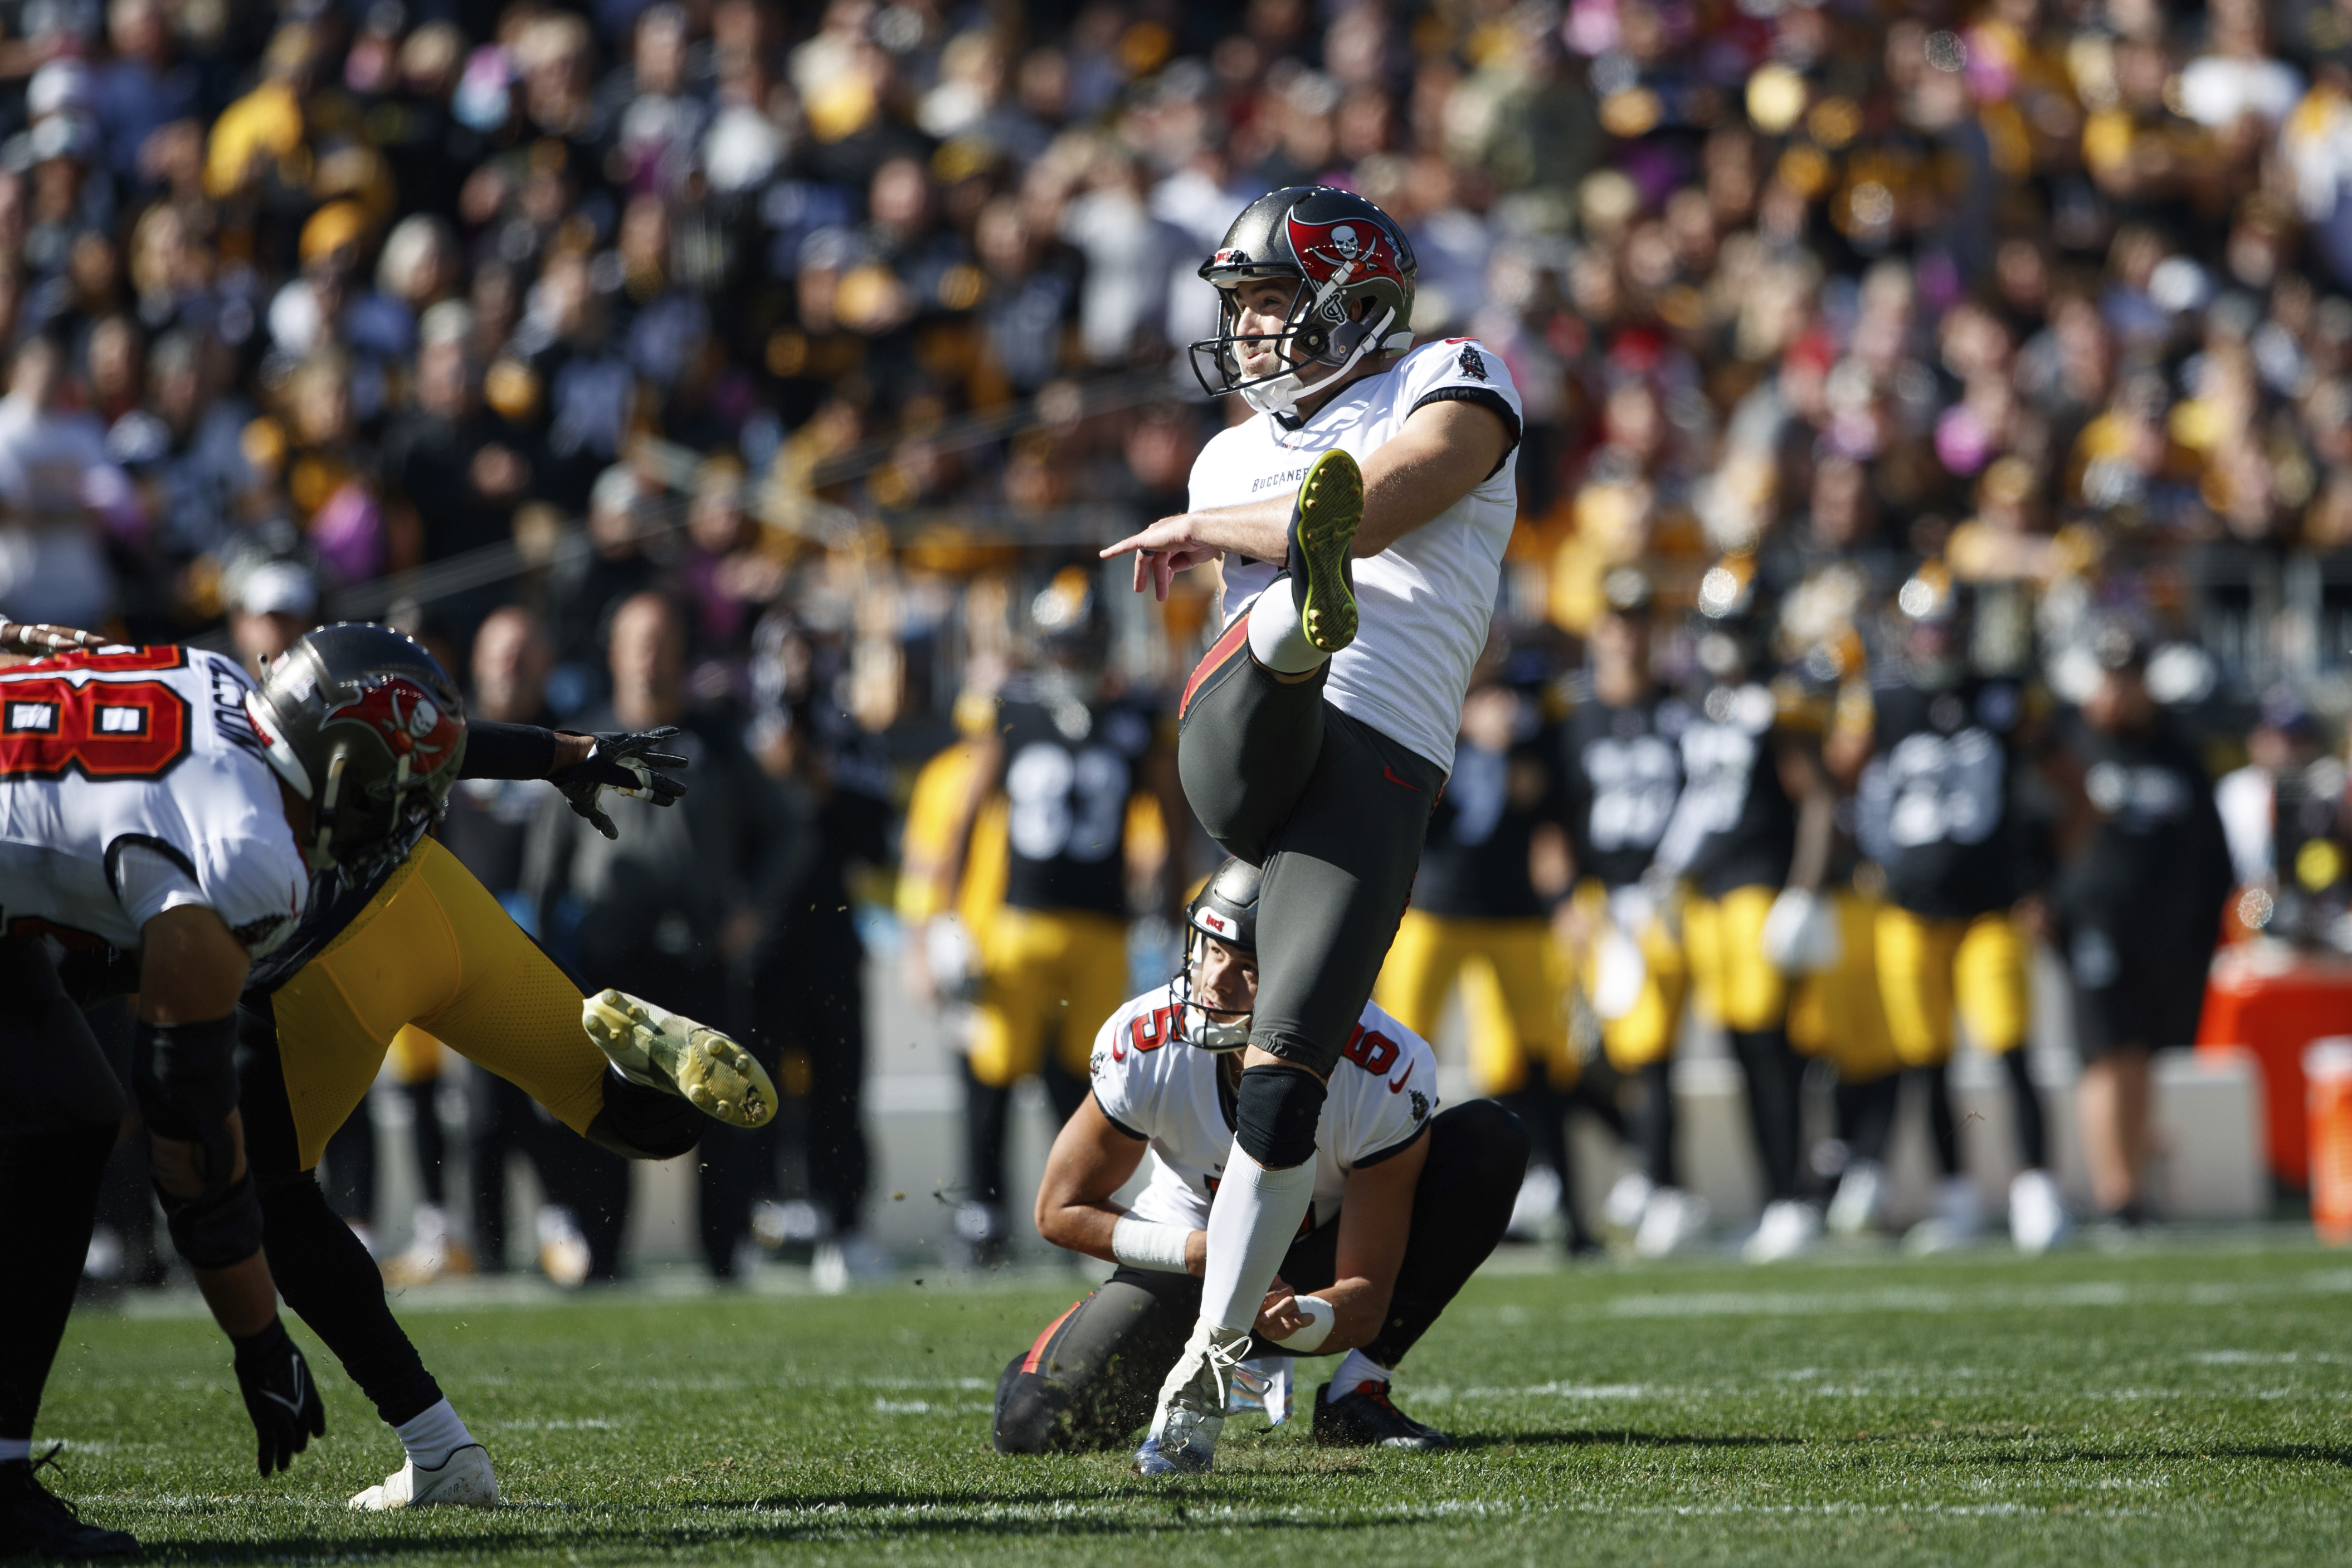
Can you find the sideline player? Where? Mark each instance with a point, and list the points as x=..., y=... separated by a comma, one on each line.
x=1942, y=805
x=1479, y=920
x=2139, y=905
x=1074, y=764
x=1378, y=475
x=1752, y=826
x=136, y=811
x=1622, y=771
x=1407, y=1202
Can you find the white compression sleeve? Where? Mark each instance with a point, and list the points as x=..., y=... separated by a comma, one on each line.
x=1278, y=637
x=1310, y=1337
x=1252, y=1222
x=1147, y=1244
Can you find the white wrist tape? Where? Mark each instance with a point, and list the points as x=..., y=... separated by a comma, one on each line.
x=1147, y=1244
x=1310, y=1336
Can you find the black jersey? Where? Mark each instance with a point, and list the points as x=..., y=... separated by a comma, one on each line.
x=1069, y=771
x=2155, y=873
x=1620, y=773
x=1938, y=805
x=1473, y=864
x=1734, y=826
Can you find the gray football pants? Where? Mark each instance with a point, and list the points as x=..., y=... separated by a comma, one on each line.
x=1332, y=810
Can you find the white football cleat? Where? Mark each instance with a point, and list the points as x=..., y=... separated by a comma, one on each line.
x=563, y=1254
x=464, y=1479
x=1959, y=1218
x=1191, y=1413
x=1532, y=1212
x=1672, y=1222
x=666, y=1051
x=1855, y=1210
x=1628, y=1197
x=2037, y=1214
x=1789, y=1229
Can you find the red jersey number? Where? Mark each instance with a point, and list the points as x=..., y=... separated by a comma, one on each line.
x=106, y=728
x=1374, y=1052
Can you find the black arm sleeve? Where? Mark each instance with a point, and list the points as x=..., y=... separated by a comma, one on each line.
x=506, y=751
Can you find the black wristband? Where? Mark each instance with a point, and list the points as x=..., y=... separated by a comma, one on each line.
x=506, y=751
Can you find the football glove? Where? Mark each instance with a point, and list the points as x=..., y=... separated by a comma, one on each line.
x=280, y=1394
x=623, y=763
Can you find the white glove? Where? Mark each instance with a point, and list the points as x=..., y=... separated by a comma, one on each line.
x=953, y=957
x=1800, y=933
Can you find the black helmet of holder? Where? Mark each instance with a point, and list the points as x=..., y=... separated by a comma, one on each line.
x=365, y=725
x=1226, y=909
x=1342, y=252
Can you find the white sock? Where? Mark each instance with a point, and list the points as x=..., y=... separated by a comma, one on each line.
x=1355, y=1372
x=431, y=1438
x=1252, y=1222
x=1277, y=639
x=15, y=1448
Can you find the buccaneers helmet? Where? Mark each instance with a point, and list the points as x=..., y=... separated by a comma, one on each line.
x=365, y=725
x=1226, y=909
x=1339, y=250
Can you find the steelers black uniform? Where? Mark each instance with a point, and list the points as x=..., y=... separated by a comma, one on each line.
x=1053, y=957
x=1732, y=840
x=1940, y=809
x=1477, y=917
x=2140, y=908
x=1621, y=777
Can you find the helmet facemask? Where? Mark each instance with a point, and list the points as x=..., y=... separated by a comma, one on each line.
x=1319, y=329
x=1209, y=1028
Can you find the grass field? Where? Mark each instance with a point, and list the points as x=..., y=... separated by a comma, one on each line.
x=2189, y=1405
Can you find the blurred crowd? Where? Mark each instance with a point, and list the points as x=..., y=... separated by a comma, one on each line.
x=759, y=365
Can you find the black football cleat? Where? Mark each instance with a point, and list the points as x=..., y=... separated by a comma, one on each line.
x=1367, y=1419
x=36, y=1522
x=1323, y=523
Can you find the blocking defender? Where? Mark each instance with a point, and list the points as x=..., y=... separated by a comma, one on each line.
x=1361, y=519
x=1407, y=1202
x=405, y=935
x=136, y=811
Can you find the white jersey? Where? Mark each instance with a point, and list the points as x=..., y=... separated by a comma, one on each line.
x=1426, y=599
x=1383, y=1091
x=132, y=783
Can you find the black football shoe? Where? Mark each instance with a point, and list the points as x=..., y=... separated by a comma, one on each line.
x=1367, y=1419
x=36, y=1522
x=1322, y=565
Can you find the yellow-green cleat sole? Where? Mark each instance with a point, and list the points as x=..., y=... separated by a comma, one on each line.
x=1323, y=523
x=669, y=1050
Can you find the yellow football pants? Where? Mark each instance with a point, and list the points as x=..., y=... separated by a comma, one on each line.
x=1926, y=967
x=1837, y=1015
x=1513, y=983
x=1646, y=1033
x=1725, y=939
x=1044, y=975
x=433, y=950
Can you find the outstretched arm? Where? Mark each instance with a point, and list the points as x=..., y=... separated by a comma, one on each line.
x=1445, y=451
x=581, y=766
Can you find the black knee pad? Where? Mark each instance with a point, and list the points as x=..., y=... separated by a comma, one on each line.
x=1276, y=1112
